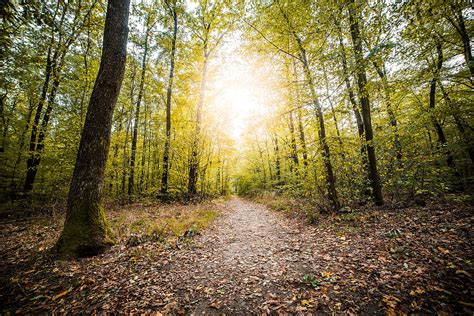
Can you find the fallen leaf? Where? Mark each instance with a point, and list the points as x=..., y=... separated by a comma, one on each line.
x=326, y=274
x=307, y=303
x=56, y=297
x=443, y=250
x=463, y=272
x=391, y=301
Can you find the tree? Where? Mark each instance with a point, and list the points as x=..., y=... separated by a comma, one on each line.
x=172, y=9
x=60, y=43
x=131, y=177
x=212, y=22
x=85, y=230
x=365, y=104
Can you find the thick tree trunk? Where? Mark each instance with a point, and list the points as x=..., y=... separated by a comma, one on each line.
x=85, y=230
x=166, y=153
x=365, y=105
x=131, y=177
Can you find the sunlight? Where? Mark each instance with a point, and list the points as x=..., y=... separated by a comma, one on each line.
x=241, y=87
x=235, y=90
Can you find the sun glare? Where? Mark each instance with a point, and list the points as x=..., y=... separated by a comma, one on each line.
x=241, y=89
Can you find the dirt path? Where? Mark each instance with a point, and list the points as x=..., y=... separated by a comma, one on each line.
x=248, y=263
x=255, y=261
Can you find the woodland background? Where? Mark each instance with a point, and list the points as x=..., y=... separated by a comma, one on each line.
x=417, y=58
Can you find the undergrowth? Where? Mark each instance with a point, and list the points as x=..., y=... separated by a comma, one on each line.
x=140, y=224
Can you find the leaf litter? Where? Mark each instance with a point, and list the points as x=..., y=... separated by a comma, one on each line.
x=252, y=260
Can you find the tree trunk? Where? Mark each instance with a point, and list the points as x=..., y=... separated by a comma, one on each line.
x=34, y=160
x=143, y=159
x=20, y=147
x=460, y=27
x=270, y=170
x=277, y=160
x=391, y=115
x=326, y=154
x=459, y=123
x=262, y=159
x=125, y=163
x=166, y=153
x=131, y=177
x=85, y=230
x=352, y=98
x=302, y=139
x=432, y=104
x=194, y=160
x=294, y=148
x=115, y=177
x=365, y=105
x=28, y=186
x=301, y=133
x=54, y=64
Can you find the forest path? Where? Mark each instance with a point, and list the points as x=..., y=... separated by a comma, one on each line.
x=252, y=260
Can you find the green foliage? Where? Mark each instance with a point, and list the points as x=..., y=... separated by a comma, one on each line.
x=310, y=280
x=280, y=151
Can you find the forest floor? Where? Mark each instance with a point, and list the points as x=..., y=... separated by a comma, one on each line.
x=250, y=260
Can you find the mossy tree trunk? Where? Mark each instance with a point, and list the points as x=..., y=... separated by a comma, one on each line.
x=85, y=230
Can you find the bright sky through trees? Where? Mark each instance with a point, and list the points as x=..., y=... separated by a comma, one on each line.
x=242, y=86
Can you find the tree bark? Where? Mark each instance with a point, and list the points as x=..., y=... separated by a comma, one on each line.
x=365, y=105
x=85, y=230
x=166, y=153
